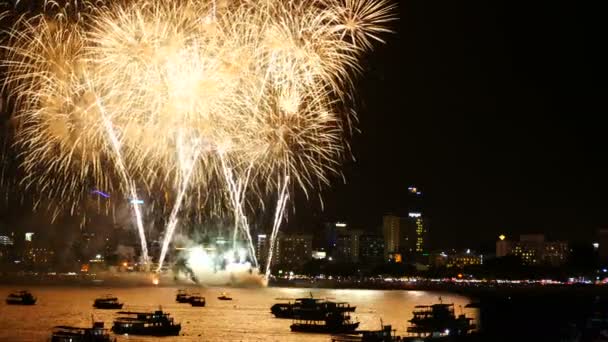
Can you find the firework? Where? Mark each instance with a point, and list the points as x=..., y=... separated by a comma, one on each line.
x=224, y=102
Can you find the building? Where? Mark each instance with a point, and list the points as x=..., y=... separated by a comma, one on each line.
x=555, y=253
x=293, y=251
x=391, y=230
x=417, y=234
x=464, y=258
x=261, y=250
x=347, y=245
x=6, y=248
x=503, y=246
x=371, y=249
x=36, y=253
x=454, y=258
x=533, y=249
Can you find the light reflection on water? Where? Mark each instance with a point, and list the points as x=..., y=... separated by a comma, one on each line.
x=246, y=318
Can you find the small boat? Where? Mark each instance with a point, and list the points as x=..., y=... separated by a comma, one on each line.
x=182, y=296
x=197, y=301
x=97, y=333
x=224, y=296
x=386, y=334
x=309, y=307
x=332, y=324
x=21, y=298
x=107, y=302
x=157, y=323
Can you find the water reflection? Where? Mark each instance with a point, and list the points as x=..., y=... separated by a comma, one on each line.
x=246, y=318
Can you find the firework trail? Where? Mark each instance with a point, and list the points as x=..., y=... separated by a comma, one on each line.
x=129, y=184
x=236, y=191
x=188, y=156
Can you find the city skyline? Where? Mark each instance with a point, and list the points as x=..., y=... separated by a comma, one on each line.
x=468, y=108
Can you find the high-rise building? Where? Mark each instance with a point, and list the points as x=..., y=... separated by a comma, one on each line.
x=503, y=246
x=294, y=250
x=261, y=250
x=416, y=224
x=391, y=230
x=371, y=249
x=347, y=245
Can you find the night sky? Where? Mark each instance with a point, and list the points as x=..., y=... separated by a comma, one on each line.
x=495, y=110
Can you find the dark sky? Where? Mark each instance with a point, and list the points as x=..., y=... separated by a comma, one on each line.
x=496, y=110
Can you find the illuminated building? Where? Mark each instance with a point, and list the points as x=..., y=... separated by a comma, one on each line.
x=371, y=249
x=457, y=259
x=532, y=249
x=261, y=250
x=294, y=250
x=555, y=253
x=420, y=232
x=503, y=247
x=391, y=229
x=464, y=259
x=347, y=245
x=5, y=241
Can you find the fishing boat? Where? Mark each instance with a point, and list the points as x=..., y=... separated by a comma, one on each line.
x=97, y=333
x=182, y=296
x=157, y=323
x=333, y=324
x=197, y=301
x=438, y=320
x=224, y=296
x=21, y=298
x=309, y=307
x=107, y=302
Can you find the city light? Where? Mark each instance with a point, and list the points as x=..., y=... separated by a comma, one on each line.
x=414, y=214
x=501, y=237
x=340, y=225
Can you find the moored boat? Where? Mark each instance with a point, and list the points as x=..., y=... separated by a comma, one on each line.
x=197, y=301
x=107, y=302
x=97, y=333
x=439, y=320
x=332, y=324
x=386, y=334
x=182, y=296
x=157, y=323
x=309, y=307
x=21, y=298
x=224, y=296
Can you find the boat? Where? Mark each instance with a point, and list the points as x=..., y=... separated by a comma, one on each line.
x=334, y=323
x=97, y=333
x=21, y=298
x=157, y=323
x=386, y=334
x=439, y=320
x=224, y=296
x=197, y=301
x=182, y=296
x=107, y=302
x=309, y=307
